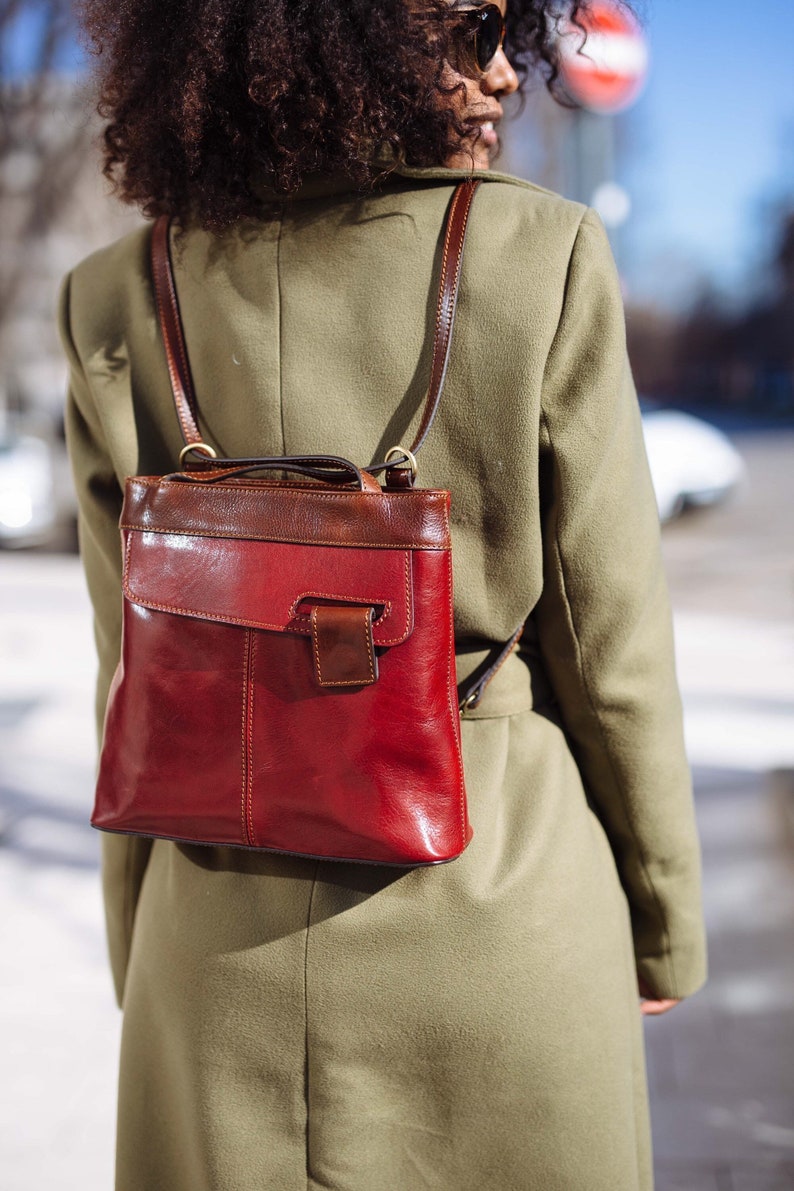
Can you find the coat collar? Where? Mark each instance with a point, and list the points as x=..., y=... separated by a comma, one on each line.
x=326, y=185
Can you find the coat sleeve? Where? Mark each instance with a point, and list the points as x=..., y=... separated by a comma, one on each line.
x=99, y=497
x=604, y=621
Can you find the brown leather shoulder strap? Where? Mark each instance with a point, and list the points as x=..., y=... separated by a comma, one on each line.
x=173, y=335
x=454, y=240
x=174, y=339
x=470, y=694
x=451, y=259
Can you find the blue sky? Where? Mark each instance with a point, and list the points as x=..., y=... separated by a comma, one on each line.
x=25, y=34
x=711, y=137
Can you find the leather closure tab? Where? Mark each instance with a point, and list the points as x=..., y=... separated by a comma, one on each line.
x=342, y=645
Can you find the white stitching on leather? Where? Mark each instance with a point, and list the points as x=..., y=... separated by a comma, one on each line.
x=243, y=719
x=244, y=537
x=250, y=730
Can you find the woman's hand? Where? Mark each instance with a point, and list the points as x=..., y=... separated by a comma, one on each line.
x=651, y=1006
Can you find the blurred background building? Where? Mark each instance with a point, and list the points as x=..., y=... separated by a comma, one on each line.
x=681, y=134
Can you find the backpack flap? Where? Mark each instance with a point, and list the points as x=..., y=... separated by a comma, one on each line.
x=348, y=599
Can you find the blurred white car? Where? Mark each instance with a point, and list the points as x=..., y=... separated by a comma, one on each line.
x=692, y=463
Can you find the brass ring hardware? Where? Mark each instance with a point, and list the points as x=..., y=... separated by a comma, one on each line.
x=469, y=702
x=202, y=448
x=410, y=457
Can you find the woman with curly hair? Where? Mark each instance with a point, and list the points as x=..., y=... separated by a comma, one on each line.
x=291, y=1023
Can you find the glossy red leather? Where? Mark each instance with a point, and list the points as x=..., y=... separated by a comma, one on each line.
x=217, y=730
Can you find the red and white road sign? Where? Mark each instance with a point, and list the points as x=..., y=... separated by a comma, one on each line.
x=607, y=72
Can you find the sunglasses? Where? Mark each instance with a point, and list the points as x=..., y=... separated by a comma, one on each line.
x=485, y=27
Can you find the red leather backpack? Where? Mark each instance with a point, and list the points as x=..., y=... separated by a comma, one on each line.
x=287, y=672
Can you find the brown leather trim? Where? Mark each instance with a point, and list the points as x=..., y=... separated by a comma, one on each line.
x=416, y=520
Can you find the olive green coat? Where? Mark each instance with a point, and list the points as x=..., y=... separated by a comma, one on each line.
x=291, y=1024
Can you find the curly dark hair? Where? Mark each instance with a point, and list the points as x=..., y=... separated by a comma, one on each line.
x=204, y=97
